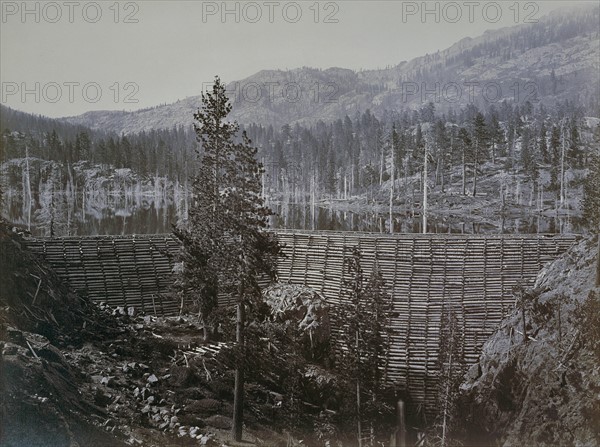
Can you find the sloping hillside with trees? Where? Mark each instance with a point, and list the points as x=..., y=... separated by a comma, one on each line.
x=507, y=163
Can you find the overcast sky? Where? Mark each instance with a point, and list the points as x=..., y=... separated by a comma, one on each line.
x=65, y=58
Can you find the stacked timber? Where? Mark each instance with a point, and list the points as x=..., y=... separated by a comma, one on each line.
x=128, y=271
x=473, y=276
x=426, y=275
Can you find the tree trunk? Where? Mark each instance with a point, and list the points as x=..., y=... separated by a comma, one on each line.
x=475, y=166
x=562, y=170
x=345, y=186
x=399, y=436
x=392, y=180
x=425, y=194
x=359, y=427
x=443, y=181
x=464, y=175
x=313, y=200
x=381, y=167
x=238, y=393
x=29, y=196
x=444, y=440
x=263, y=179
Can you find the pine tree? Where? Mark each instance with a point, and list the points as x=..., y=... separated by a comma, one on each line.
x=398, y=145
x=554, y=158
x=543, y=144
x=465, y=144
x=331, y=175
x=441, y=152
x=591, y=194
x=364, y=340
x=527, y=155
x=480, y=146
x=56, y=147
x=419, y=145
x=451, y=366
x=225, y=249
x=574, y=153
x=82, y=146
x=496, y=136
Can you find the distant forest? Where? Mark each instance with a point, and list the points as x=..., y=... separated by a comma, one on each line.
x=345, y=158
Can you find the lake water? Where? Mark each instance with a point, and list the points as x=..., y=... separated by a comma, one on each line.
x=145, y=215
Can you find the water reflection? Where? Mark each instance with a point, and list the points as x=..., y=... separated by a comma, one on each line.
x=305, y=217
x=145, y=215
x=113, y=215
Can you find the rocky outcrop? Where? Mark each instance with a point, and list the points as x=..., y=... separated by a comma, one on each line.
x=541, y=386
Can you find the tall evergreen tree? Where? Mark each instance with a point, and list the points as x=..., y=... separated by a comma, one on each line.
x=496, y=135
x=83, y=146
x=439, y=144
x=465, y=144
x=480, y=146
x=363, y=320
x=543, y=144
x=331, y=174
x=554, y=158
x=591, y=189
x=398, y=145
x=225, y=249
x=451, y=364
x=574, y=153
x=56, y=147
x=527, y=153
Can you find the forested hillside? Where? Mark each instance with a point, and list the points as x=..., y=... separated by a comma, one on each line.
x=530, y=157
x=520, y=160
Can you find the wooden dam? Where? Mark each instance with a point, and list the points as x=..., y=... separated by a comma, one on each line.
x=474, y=275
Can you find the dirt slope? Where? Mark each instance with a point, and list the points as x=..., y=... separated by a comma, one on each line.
x=77, y=374
x=39, y=390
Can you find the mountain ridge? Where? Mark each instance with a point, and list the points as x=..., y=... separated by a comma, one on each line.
x=553, y=60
